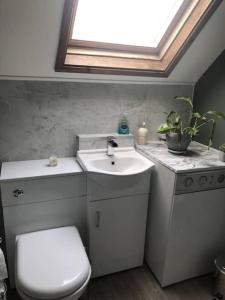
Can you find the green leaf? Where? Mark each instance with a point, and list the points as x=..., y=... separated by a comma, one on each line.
x=164, y=128
x=211, y=135
x=196, y=115
x=192, y=131
x=173, y=119
x=186, y=99
x=216, y=114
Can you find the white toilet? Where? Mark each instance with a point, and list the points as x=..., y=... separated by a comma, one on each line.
x=51, y=264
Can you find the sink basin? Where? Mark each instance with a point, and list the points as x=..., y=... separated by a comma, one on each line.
x=125, y=161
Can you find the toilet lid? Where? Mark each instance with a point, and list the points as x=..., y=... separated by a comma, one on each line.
x=51, y=263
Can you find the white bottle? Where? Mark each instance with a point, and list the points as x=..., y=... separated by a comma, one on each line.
x=142, y=134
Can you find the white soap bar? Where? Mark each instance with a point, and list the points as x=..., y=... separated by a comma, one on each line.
x=53, y=161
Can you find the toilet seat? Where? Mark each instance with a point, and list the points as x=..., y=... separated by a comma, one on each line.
x=51, y=264
x=76, y=295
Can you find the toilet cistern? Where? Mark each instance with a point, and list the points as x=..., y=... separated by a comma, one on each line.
x=111, y=144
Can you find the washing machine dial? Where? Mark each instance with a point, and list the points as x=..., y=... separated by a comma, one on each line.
x=188, y=182
x=221, y=178
x=202, y=180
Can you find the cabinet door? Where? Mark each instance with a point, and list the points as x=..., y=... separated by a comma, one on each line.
x=117, y=233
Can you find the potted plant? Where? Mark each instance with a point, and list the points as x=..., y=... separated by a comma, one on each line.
x=180, y=132
x=222, y=152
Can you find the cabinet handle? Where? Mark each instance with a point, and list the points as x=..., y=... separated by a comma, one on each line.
x=18, y=193
x=97, y=219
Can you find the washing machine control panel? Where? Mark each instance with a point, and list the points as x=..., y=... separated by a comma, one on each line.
x=199, y=181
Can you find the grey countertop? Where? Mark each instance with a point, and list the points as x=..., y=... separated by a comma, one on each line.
x=197, y=158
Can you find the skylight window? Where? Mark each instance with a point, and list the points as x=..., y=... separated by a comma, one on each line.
x=128, y=37
x=128, y=22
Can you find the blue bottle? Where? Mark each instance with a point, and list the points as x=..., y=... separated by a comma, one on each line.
x=123, y=127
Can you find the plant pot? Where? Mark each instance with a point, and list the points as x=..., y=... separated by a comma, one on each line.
x=162, y=136
x=177, y=143
x=221, y=156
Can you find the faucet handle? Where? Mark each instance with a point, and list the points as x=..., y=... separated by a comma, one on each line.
x=111, y=141
x=110, y=138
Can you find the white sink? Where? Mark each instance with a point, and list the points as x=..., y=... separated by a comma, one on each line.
x=125, y=161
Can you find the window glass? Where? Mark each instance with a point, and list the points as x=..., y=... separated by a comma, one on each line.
x=126, y=22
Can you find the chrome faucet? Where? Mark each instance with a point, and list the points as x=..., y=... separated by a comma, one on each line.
x=111, y=144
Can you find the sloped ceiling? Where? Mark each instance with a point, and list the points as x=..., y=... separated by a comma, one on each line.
x=29, y=32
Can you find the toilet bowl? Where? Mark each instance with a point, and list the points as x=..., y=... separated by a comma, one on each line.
x=51, y=264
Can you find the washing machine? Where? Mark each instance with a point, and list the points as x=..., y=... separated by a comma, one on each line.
x=186, y=221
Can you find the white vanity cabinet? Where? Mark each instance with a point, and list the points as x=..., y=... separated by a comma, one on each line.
x=117, y=224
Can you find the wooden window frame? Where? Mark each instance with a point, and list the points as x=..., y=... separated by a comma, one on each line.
x=103, y=58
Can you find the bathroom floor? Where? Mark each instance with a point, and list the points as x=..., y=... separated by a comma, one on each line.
x=139, y=284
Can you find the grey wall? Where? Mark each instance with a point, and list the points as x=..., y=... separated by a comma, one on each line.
x=38, y=119
x=210, y=95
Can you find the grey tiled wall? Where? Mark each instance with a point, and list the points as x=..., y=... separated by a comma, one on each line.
x=38, y=119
